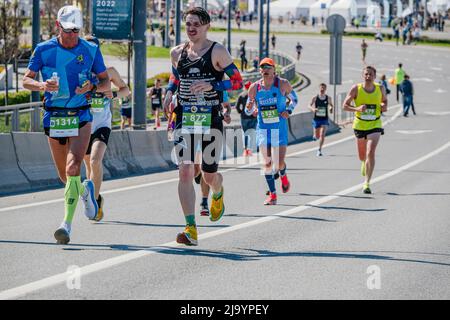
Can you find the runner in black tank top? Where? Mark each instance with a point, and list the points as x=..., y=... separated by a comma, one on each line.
x=321, y=105
x=155, y=94
x=198, y=69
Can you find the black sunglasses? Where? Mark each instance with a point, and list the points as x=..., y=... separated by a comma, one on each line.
x=74, y=30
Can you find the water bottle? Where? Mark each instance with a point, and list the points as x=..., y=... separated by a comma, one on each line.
x=171, y=127
x=83, y=79
x=56, y=79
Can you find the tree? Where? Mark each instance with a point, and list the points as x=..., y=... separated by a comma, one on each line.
x=51, y=7
x=10, y=28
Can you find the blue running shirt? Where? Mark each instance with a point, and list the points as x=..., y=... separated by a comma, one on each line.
x=271, y=103
x=73, y=66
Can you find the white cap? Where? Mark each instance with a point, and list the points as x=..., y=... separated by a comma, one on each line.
x=70, y=17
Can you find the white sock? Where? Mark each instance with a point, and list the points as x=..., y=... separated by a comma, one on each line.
x=66, y=225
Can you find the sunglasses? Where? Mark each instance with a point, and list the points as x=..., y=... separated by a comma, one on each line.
x=74, y=30
x=266, y=66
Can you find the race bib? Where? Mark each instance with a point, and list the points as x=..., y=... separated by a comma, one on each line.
x=155, y=101
x=196, y=119
x=321, y=112
x=64, y=126
x=370, y=113
x=270, y=114
x=97, y=103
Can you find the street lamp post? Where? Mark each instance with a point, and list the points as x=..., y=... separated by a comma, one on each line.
x=267, y=27
x=261, y=28
x=166, y=31
x=178, y=22
x=229, y=27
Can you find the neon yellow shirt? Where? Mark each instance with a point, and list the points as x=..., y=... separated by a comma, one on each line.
x=369, y=119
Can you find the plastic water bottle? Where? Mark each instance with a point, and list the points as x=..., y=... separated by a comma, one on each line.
x=56, y=79
x=171, y=127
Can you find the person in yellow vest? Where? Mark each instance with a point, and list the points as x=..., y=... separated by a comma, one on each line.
x=399, y=77
x=369, y=100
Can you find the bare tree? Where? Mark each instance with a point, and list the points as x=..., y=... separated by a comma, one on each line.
x=51, y=8
x=10, y=28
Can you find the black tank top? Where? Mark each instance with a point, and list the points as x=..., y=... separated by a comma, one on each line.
x=322, y=106
x=191, y=71
x=157, y=101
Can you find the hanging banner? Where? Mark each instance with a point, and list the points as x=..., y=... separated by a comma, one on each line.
x=111, y=19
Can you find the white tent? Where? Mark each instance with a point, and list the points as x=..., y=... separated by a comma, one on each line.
x=361, y=7
x=373, y=15
x=296, y=8
x=346, y=8
x=321, y=8
x=435, y=6
x=406, y=12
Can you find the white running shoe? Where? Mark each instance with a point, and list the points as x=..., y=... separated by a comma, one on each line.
x=62, y=235
x=89, y=202
x=319, y=153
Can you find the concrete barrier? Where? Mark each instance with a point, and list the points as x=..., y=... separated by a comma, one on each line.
x=12, y=178
x=27, y=162
x=34, y=159
x=119, y=160
x=146, y=148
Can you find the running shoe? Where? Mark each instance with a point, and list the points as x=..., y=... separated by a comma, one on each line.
x=245, y=153
x=285, y=184
x=249, y=153
x=319, y=153
x=366, y=188
x=276, y=175
x=100, y=203
x=62, y=235
x=217, y=207
x=198, y=178
x=204, y=210
x=271, y=199
x=89, y=202
x=363, y=168
x=189, y=236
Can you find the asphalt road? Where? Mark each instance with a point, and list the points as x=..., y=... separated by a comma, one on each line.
x=324, y=239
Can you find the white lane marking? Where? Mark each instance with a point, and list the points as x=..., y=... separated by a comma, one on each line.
x=422, y=79
x=436, y=68
x=150, y=184
x=413, y=131
x=17, y=292
x=437, y=113
x=440, y=90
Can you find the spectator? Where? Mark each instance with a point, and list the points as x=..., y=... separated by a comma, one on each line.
x=416, y=35
x=396, y=33
x=255, y=63
x=399, y=77
x=408, y=92
x=384, y=83
x=298, y=48
x=274, y=39
x=242, y=53
x=379, y=36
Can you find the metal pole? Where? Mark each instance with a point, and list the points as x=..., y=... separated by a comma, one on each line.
x=206, y=5
x=140, y=64
x=35, y=96
x=267, y=27
x=166, y=31
x=178, y=22
x=229, y=27
x=261, y=29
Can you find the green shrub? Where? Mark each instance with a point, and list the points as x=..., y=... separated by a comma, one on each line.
x=23, y=96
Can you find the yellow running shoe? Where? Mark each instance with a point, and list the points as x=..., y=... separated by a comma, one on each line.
x=363, y=168
x=217, y=207
x=366, y=188
x=189, y=236
x=100, y=203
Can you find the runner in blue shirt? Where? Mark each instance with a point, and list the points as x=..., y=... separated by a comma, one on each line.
x=66, y=64
x=268, y=98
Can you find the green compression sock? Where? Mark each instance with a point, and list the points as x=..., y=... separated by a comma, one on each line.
x=71, y=194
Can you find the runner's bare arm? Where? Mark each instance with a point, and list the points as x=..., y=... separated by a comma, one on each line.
x=221, y=60
x=174, y=79
x=384, y=102
x=30, y=83
x=117, y=80
x=312, y=104
x=330, y=103
x=104, y=84
x=347, y=105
